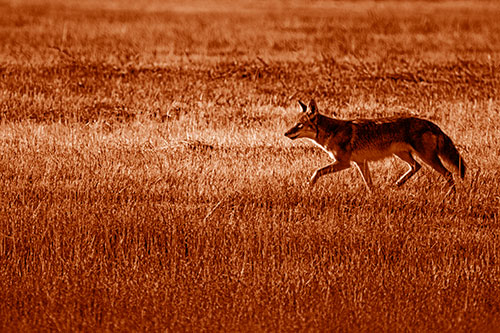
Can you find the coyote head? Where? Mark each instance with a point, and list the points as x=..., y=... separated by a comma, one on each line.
x=307, y=125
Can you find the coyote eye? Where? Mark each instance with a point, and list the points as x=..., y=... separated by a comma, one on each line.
x=300, y=125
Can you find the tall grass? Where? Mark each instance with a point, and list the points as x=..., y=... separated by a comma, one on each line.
x=146, y=183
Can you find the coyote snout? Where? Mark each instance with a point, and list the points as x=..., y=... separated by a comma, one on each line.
x=363, y=140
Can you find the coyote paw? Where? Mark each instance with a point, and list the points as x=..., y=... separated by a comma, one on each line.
x=314, y=179
x=451, y=191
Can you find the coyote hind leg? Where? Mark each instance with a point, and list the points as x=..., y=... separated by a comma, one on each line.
x=434, y=161
x=413, y=164
x=427, y=150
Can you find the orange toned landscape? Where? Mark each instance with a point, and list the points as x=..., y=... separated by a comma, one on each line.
x=146, y=184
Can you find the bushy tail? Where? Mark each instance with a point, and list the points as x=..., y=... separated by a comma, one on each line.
x=449, y=153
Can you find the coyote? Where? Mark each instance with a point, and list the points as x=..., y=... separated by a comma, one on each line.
x=364, y=140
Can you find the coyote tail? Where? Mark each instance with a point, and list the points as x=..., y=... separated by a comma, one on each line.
x=448, y=152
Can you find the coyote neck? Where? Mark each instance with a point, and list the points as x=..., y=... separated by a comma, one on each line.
x=326, y=126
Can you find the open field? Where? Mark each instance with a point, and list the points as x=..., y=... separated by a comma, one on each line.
x=146, y=184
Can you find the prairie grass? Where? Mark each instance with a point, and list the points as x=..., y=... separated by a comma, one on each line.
x=146, y=184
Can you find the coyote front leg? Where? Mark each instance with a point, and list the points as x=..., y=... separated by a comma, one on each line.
x=365, y=174
x=331, y=168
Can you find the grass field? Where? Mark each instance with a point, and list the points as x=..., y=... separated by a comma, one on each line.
x=146, y=184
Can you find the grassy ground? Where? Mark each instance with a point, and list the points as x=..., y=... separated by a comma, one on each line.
x=146, y=183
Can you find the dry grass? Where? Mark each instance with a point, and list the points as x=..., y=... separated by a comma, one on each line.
x=147, y=185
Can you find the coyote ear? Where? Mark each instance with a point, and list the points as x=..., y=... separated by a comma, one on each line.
x=313, y=107
x=304, y=107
